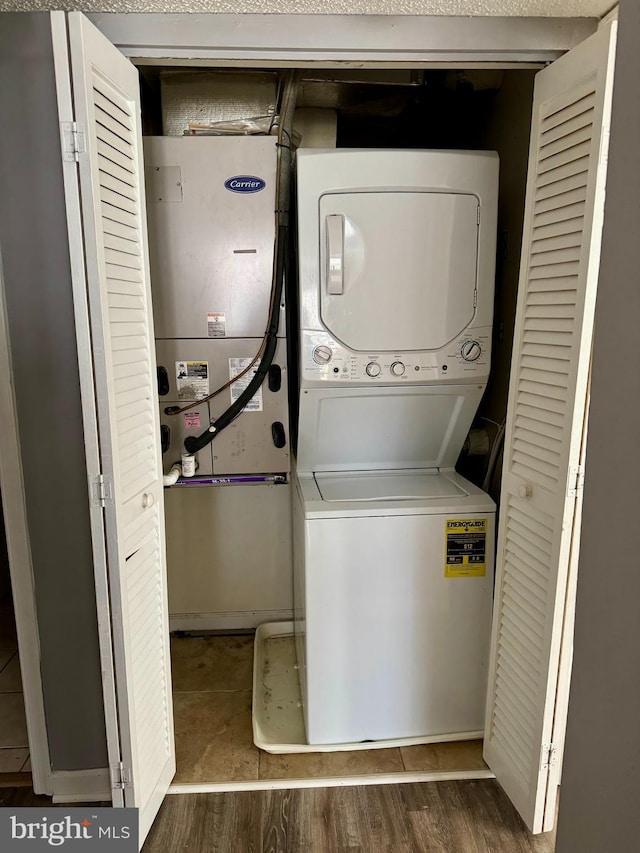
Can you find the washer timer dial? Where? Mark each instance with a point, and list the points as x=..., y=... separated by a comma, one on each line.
x=471, y=350
x=373, y=369
x=322, y=355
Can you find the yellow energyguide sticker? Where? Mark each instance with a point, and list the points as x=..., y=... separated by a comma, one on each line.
x=465, y=548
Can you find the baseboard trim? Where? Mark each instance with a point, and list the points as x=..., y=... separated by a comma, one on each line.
x=81, y=786
x=330, y=782
x=237, y=620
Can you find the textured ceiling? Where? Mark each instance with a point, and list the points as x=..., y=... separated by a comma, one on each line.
x=545, y=8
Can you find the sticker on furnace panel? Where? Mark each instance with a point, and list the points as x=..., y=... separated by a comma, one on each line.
x=236, y=366
x=192, y=379
x=192, y=420
x=216, y=324
x=465, y=548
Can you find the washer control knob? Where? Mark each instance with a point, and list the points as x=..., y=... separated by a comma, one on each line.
x=397, y=368
x=471, y=350
x=373, y=369
x=322, y=355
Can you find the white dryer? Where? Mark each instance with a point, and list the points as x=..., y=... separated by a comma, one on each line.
x=393, y=551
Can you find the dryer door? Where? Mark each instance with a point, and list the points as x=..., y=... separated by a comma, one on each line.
x=398, y=269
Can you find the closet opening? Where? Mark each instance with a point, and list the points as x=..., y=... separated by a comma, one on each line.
x=229, y=536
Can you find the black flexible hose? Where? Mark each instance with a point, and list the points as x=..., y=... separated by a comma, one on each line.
x=193, y=443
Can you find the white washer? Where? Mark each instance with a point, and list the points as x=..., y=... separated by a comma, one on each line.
x=393, y=551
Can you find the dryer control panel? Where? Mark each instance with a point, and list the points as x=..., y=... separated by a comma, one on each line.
x=326, y=360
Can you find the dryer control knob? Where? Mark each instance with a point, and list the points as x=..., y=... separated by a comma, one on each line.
x=373, y=369
x=471, y=350
x=397, y=368
x=322, y=355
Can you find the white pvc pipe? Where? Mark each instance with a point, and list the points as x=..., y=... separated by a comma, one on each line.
x=171, y=478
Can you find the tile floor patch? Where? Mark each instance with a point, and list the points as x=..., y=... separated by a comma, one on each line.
x=214, y=738
x=13, y=726
x=5, y=657
x=7, y=626
x=10, y=678
x=440, y=757
x=328, y=764
x=13, y=760
x=212, y=663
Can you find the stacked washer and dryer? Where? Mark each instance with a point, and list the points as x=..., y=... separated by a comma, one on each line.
x=393, y=550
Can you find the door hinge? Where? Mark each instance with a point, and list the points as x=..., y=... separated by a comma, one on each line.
x=576, y=481
x=73, y=142
x=549, y=756
x=478, y=215
x=121, y=777
x=101, y=490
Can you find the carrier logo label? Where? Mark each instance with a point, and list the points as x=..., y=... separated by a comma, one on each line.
x=245, y=184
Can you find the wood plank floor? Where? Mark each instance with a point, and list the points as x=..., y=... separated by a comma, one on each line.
x=443, y=817
x=428, y=817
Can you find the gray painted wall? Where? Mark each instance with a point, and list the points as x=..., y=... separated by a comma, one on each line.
x=600, y=794
x=34, y=248
x=508, y=131
x=5, y=578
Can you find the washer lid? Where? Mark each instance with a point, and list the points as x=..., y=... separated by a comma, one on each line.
x=410, y=428
x=389, y=485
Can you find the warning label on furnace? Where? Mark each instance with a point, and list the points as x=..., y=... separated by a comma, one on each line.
x=192, y=420
x=465, y=548
x=192, y=379
x=216, y=324
x=236, y=366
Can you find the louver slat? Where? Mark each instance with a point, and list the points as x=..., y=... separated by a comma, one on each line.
x=562, y=158
x=560, y=216
x=109, y=154
x=551, y=189
x=117, y=214
x=555, y=117
x=552, y=176
x=107, y=105
x=117, y=229
x=115, y=183
x=567, y=240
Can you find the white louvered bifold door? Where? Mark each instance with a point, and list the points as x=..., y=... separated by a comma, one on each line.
x=545, y=417
x=107, y=110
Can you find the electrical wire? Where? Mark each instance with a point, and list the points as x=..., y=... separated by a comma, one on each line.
x=493, y=457
x=194, y=443
x=491, y=421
